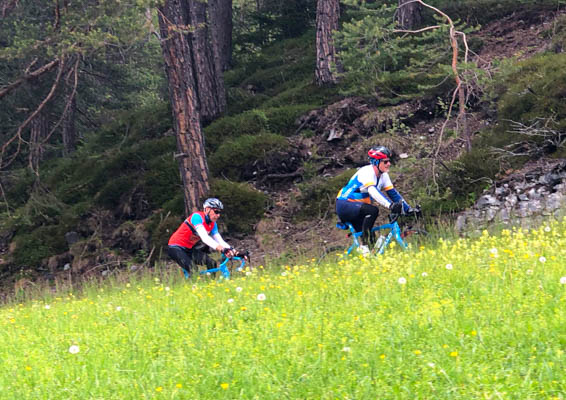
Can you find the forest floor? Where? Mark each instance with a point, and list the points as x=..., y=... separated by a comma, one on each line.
x=278, y=236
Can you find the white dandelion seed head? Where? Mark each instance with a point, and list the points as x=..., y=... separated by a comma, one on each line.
x=47, y=307
x=424, y=274
x=431, y=364
x=230, y=300
x=449, y=266
x=547, y=228
x=493, y=250
x=261, y=297
x=402, y=281
x=74, y=349
x=563, y=280
x=118, y=308
x=346, y=349
x=167, y=288
x=529, y=272
x=238, y=289
x=248, y=273
x=542, y=259
x=284, y=273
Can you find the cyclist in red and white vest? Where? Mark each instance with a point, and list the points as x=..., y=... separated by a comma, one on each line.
x=185, y=245
x=371, y=184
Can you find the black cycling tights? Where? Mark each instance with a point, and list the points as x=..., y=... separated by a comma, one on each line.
x=362, y=216
x=368, y=214
x=188, y=259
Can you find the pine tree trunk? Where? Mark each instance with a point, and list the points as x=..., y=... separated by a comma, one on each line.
x=409, y=15
x=327, y=64
x=182, y=93
x=212, y=99
x=38, y=132
x=220, y=12
x=69, y=126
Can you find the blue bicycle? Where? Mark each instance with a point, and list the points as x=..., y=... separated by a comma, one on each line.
x=391, y=229
x=228, y=264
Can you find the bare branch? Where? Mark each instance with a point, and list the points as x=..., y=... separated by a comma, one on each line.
x=38, y=72
x=18, y=135
x=75, y=71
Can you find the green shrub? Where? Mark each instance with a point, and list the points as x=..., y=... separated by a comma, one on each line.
x=244, y=205
x=176, y=205
x=161, y=180
x=34, y=247
x=114, y=190
x=304, y=93
x=536, y=88
x=240, y=100
x=160, y=228
x=485, y=11
x=232, y=156
x=318, y=198
x=282, y=119
x=18, y=187
x=248, y=123
x=129, y=127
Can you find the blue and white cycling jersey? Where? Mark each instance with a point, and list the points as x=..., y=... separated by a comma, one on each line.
x=357, y=189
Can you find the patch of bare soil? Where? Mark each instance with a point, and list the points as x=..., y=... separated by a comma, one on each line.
x=518, y=35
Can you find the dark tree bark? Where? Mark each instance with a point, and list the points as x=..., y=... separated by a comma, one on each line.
x=182, y=93
x=220, y=12
x=408, y=15
x=38, y=132
x=327, y=63
x=69, y=126
x=6, y=6
x=210, y=84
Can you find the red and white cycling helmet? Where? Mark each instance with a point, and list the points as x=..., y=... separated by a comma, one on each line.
x=375, y=154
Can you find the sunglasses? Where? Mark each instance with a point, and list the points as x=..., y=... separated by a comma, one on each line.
x=217, y=211
x=387, y=161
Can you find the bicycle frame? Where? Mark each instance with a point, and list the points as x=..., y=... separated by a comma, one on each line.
x=394, y=232
x=223, y=267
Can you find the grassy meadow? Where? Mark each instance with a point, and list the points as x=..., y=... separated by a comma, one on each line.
x=480, y=318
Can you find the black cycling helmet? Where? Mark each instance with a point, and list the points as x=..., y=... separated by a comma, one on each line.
x=375, y=154
x=213, y=203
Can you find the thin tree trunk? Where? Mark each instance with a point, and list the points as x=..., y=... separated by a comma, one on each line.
x=212, y=99
x=69, y=126
x=182, y=93
x=220, y=12
x=327, y=64
x=38, y=131
x=408, y=14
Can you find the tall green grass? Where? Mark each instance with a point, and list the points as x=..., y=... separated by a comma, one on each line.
x=461, y=319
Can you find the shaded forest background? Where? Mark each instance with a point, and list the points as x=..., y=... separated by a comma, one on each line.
x=90, y=175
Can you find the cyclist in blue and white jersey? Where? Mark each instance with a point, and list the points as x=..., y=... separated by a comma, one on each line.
x=370, y=183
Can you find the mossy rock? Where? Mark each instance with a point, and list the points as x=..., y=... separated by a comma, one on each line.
x=244, y=206
x=317, y=198
x=234, y=155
